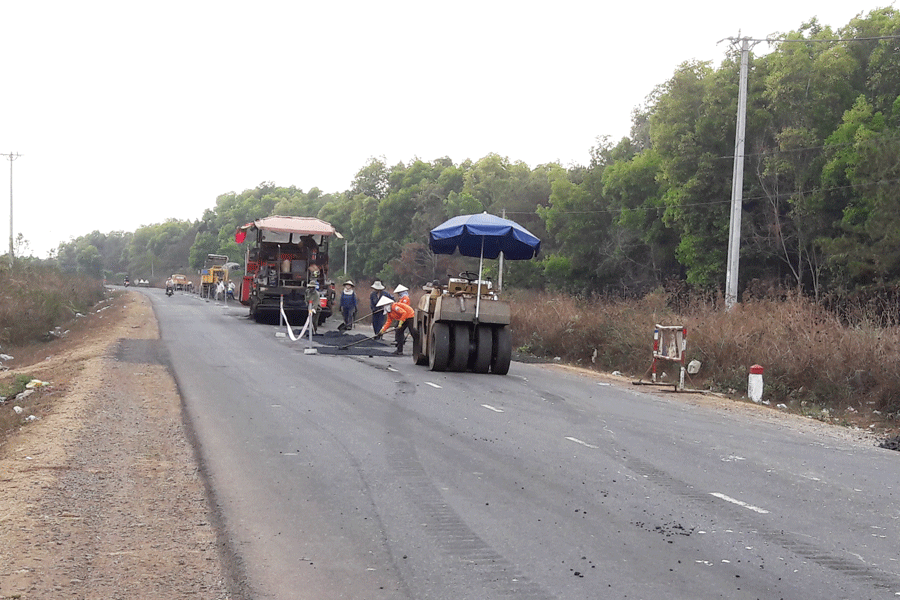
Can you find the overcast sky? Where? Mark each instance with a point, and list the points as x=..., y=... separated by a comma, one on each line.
x=127, y=113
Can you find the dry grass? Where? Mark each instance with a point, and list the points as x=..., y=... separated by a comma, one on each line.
x=36, y=297
x=814, y=362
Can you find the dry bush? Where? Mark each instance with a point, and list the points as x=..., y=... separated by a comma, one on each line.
x=612, y=334
x=36, y=297
x=809, y=355
x=812, y=360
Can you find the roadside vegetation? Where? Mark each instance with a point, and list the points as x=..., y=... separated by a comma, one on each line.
x=38, y=302
x=836, y=369
x=36, y=297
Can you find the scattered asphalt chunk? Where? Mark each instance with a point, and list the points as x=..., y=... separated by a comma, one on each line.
x=891, y=443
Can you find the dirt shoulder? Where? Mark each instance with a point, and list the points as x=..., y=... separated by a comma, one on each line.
x=101, y=493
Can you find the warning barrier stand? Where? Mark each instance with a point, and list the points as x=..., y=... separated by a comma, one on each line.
x=669, y=343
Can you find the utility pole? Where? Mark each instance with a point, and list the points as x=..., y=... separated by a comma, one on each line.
x=11, y=157
x=737, y=180
x=500, y=266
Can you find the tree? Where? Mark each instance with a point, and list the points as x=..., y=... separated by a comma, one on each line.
x=692, y=128
x=89, y=261
x=643, y=244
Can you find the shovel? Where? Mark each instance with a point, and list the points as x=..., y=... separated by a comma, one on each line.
x=344, y=326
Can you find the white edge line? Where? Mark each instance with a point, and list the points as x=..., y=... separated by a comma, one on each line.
x=761, y=511
x=577, y=441
x=489, y=407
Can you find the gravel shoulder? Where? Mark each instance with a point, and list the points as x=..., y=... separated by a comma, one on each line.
x=102, y=495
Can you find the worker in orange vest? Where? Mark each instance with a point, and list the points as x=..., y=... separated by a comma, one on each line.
x=403, y=293
x=404, y=316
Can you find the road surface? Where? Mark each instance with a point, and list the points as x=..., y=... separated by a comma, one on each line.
x=370, y=477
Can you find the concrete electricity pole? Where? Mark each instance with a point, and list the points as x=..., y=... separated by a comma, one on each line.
x=737, y=180
x=11, y=157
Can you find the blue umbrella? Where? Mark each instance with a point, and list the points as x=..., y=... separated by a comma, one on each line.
x=484, y=236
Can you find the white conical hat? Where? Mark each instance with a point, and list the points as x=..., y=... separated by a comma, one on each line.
x=400, y=288
x=385, y=301
x=349, y=282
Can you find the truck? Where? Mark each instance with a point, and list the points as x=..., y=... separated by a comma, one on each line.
x=282, y=256
x=180, y=281
x=212, y=273
x=463, y=326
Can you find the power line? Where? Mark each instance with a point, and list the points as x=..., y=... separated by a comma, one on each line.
x=779, y=195
x=807, y=40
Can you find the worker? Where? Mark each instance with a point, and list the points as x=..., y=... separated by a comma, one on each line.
x=404, y=315
x=348, y=304
x=220, y=291
x=312, y=303
x=378, y=292
x=230, y=291
x=403, y=292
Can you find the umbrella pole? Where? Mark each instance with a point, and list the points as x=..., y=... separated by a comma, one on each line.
x=478, y=283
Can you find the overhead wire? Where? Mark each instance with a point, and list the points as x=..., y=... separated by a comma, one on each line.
x=779, y=195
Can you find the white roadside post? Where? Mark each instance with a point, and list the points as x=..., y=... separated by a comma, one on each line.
x=755, y=384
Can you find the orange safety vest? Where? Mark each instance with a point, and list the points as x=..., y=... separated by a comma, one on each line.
x=399, y=312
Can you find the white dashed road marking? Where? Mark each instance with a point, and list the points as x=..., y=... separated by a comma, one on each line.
x=761, y=511
x=434, y=385
x=489, y=407
x=577, y=441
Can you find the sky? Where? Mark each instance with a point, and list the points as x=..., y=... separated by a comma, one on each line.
x=127, y=113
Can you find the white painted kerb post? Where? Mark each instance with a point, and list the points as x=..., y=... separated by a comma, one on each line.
x=755, y=384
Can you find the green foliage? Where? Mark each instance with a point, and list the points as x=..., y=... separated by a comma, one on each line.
x=10, y=389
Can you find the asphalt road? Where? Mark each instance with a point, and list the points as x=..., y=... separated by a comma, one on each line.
x=358, y=477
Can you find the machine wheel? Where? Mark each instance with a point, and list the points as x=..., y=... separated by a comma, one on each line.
x=439, y=347
x=502, y=351
x=484, y=343
x=255, y=313
x=459, y=359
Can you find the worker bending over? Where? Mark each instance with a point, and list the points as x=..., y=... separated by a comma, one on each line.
x=404, y=316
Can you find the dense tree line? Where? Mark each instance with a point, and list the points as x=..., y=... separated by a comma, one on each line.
x=821, y=187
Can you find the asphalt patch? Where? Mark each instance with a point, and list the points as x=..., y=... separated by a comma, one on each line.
x=141, y=351
x=333, y=342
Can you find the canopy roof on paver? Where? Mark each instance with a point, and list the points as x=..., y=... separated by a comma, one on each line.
x=298, y=225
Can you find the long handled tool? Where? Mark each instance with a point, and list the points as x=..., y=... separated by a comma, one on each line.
x=344, y=326
x=366, y=339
